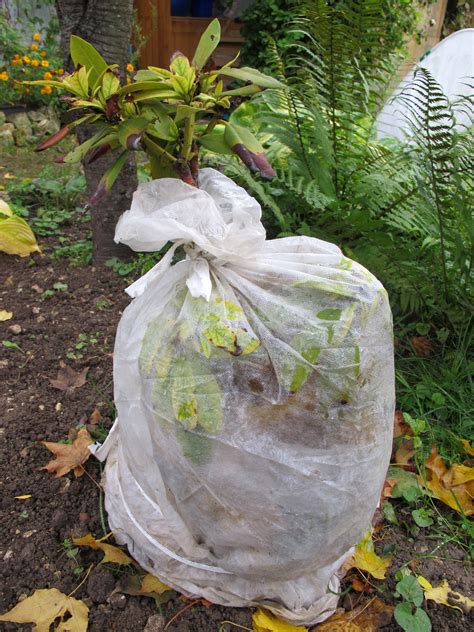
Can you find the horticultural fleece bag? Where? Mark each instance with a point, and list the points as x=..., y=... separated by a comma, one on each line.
x=255, y=393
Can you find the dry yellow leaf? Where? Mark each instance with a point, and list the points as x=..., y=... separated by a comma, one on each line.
x=45, y=606
x=69, y=456
x=4, y=315
x=366, y=559
x=365, y=618
x=453, y=486
x=445, y=596
x=151, y=584
x=468, y=449
x=111, y=553
x=23, y=497
x=263, y=621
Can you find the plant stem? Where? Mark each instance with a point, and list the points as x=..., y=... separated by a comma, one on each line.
x=188, y=136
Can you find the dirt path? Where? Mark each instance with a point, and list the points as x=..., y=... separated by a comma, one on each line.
x=75, y=323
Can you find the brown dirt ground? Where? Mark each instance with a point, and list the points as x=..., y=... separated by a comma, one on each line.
x=32, y=531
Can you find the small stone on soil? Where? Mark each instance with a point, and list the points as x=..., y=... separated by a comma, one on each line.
x=59, y=519
x=117, y=600
x=155, y=623
x=15, y=329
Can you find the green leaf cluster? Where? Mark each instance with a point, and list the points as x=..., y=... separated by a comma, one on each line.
x=169, y=113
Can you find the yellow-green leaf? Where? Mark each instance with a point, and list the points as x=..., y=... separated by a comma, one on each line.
x=112, y=553
x=207, y=44
x=16, y=237
x=151, y=584
x=5, y=209
x=84, y=54
x=366, y=559
x=445, y=596
x=47, y=606
x=263, y=621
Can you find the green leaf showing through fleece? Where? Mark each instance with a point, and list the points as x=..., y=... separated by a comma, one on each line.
x=84, y=54
x=303, y=371
x=254, y=76
x=207, y=44
x=183, y=396
x=236, y=341
x=409, y=621
x=409, y=588
x=329, y=314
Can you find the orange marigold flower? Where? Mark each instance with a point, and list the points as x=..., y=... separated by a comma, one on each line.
x=16, y=56
x=60, y=71
x=35, y=62
x=130, y=67
x=4, y=76
x=45, y=63
x=34, y=47
x=47, y=76
x=27, y=90
x=36, y=37
x=26, y=59
x=46, y=90
x=43, y=53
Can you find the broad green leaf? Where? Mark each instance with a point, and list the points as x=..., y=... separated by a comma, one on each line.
x=215, y=141
x=160, y=72
x=183, y=111
x=164, y=127
x=253, y=76
x=409, y=621
x=84, y=54
x=155, y=94
x=235, y=134
x=330, y=313
x=109, y=178
x=422, y=517
x=79, y=152
x=409, y=588
x=180, y=65
x=131, y=130
x=16, y=237
x=82, y=77
x=110, y=84
x=141, y=86
x=207, y=44
x=245, y=91
x=145, y=75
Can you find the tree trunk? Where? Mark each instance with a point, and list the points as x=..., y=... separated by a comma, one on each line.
x=108, y=27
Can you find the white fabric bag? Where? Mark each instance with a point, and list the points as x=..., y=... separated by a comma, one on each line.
x=254, y=385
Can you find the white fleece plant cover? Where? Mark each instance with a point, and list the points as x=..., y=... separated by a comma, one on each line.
x=254, y=385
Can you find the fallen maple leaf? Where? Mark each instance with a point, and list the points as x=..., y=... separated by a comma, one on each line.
x=365, y=618
x=263, y=621
x=68, y=379
x=111, y=553
x=95, y=417
x=45, y=606
x=69, y=456
x=151, y=584
x=400, y=427
x=4, y=315
x=454, y=486
x=366, y=559
x=445, y=596
x=423, y=347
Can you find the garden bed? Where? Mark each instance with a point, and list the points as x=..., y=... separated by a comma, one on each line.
x=69, y=314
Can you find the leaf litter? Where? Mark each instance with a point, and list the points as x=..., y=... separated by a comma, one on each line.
x=69, y=456
x=68, y=379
